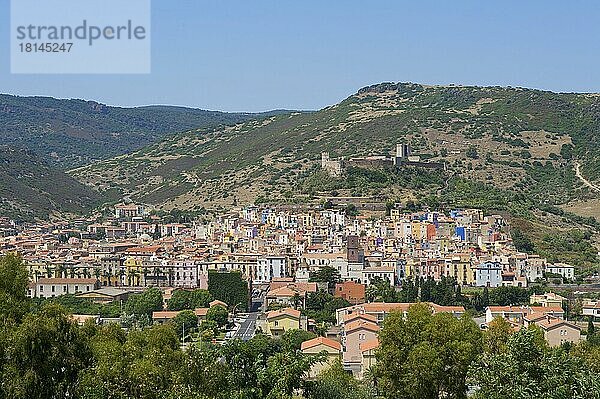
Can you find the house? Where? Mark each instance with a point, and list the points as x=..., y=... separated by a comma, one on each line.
x=384, y=273
x=367, y=352
x=51, y=287
x=216, y=302
x=520, y=314
x=105, y=295
x=591, y=308
x=488, y=274
x=562, y=269
x=331, y=348
x=286, y=293
x=81, y=319
x=164, y=316
x=379, y=310
x=123, y=211
x=350, y=291
x=282, y=320
x=354, y=334
x=557, y=331
x=549, y=299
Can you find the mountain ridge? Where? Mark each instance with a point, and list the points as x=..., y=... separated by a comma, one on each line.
x=524, y=137
x=74, y=132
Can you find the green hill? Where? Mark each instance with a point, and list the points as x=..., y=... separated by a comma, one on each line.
x=70, y=133
x=29, y=188
x=511, y=139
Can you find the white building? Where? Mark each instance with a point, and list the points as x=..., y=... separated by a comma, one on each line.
x=269, y=267
x=184, y=273
x=51, y=287
x=591, y=308
x=567, y=271
x=488, y=274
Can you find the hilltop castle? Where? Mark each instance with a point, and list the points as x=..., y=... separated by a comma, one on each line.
x=401, y=158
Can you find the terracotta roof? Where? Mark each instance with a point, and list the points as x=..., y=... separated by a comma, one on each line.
x=310, y=287
x=551, y=323
x=321, y=341
x=368, y=345
x=216, y=302
x=201, y=312
x=361, y=324
x=285, y=311
x=356, y=315
x=165, y=314
x=144, y=249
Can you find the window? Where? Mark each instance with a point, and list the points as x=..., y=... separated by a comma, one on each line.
x=53, y=289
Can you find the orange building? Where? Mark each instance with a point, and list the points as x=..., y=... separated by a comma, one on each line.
x=350, y=291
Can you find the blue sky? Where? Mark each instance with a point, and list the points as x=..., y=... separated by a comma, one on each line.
x=254, y=55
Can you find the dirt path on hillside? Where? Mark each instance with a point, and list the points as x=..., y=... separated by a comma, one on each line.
x=583, y=179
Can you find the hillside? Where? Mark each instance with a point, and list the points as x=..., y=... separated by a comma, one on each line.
x=508, y=150
x=525, y=140
x=29, y=188
x=70, y=133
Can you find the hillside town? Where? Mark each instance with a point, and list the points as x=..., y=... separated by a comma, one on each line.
x=279, y=252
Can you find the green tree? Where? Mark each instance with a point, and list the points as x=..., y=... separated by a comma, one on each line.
x=472, y=152
x=184, y=299
x=335, y=383
x=230, y=288
x=185, y=321
x=44, y=356
x=142, y=305
x=13, y=289
x=292, y=340
x=424, y=355
x=380, y=290
x=326, y=274
x=522, y=242
x=218, y=314
x=141, y=364
x=497, y=335
x=527, y=370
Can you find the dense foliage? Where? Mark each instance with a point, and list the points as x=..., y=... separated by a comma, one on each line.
x=45, y=354
x=230, y=288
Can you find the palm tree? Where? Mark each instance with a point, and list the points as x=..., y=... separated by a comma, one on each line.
x=171, y=276
x=121, y=275
x=296, y=300
x=145, y=274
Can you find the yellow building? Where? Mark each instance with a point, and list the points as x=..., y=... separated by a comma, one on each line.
x=133, y=265
x=459, y=267
x=315, y=346
x=282, y=320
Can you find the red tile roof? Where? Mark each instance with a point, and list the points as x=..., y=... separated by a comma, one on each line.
x=321, y=341
x=285, y=311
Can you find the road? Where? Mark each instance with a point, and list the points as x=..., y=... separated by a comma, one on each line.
x=247, y=327
x=583, y=179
